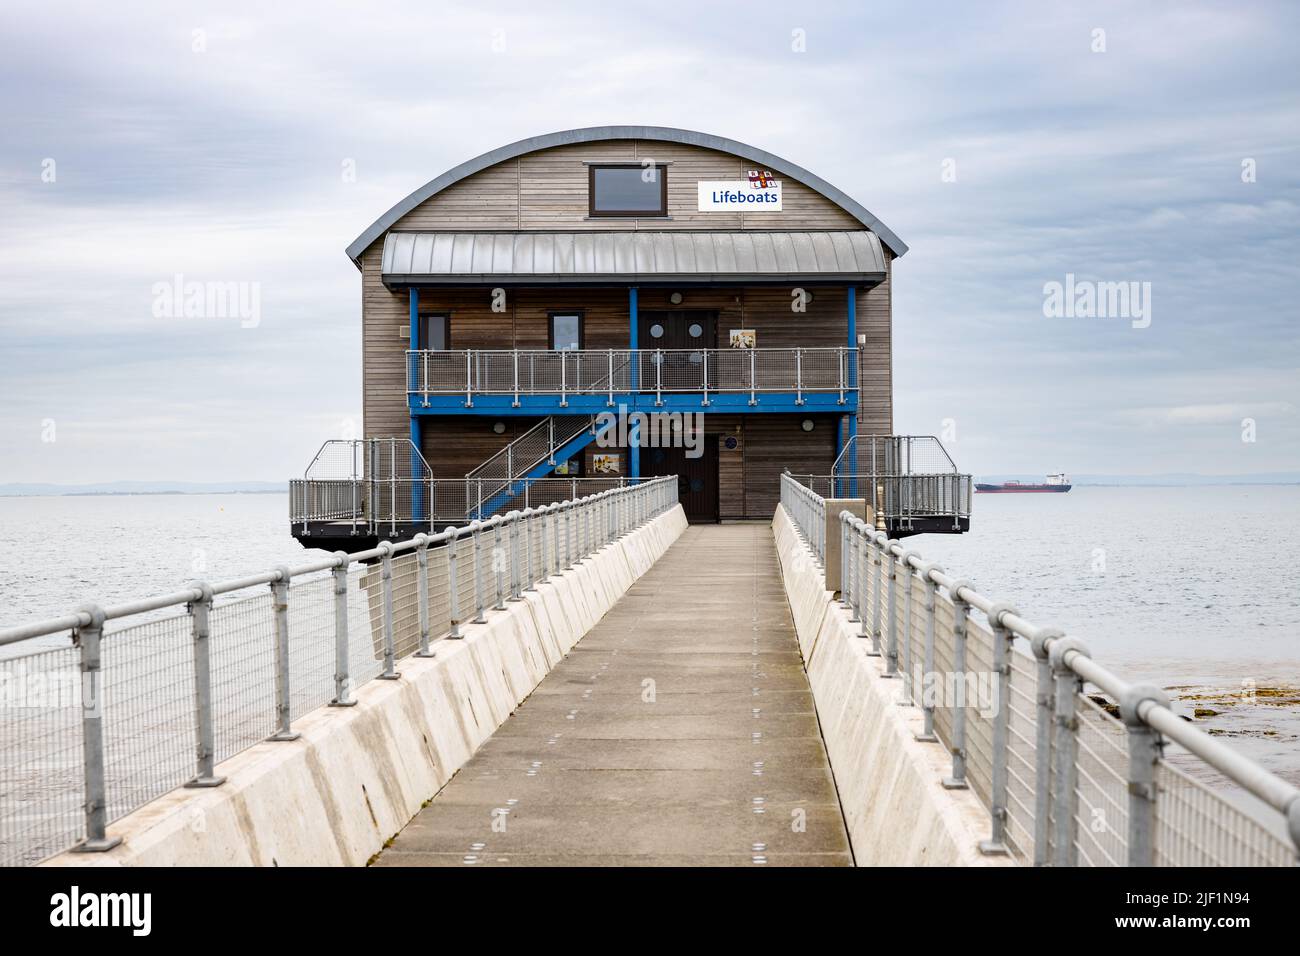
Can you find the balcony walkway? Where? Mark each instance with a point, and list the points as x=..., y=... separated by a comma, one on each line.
x=719, y=769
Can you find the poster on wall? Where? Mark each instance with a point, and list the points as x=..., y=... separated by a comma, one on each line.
x=605, y=464
x=744, y=339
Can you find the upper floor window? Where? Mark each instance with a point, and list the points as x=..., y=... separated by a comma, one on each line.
x=435, y=333
x=566, y=331
x=628, y=190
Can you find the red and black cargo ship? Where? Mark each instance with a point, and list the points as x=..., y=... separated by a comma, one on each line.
x=1054, y=483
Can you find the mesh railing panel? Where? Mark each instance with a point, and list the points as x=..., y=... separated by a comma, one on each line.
x=243, y=673
x=148, y=708
x=1101, y=787
x=1197, y=826
x=365, y=623
x=982, y=704
x=439, y=589
x=945, y=672
x=1021, y=755
x=406, y=604
x=311, y=644
x=40, y=738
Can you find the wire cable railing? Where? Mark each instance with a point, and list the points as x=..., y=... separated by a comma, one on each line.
x=1065, y=783
x=98, y=727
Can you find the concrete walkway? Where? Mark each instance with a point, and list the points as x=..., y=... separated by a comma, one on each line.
x=680, y=731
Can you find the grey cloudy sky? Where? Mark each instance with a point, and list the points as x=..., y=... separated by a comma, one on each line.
x=225, y=164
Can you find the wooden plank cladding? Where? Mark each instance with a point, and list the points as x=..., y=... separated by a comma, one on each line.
x=547, y=189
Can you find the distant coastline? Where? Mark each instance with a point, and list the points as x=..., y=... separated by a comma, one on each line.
x=1169, y=480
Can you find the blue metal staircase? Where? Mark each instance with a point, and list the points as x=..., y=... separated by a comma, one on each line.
x=531, y=456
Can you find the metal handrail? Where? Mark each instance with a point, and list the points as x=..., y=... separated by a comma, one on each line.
x=522, y=548
x=785, y=370
x=1064, y=664
x=890, y=455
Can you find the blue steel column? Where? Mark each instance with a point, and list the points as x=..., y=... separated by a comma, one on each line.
x=850, y=367
x=634, y=435
x=417, y=487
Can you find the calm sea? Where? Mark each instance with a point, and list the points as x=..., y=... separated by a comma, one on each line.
x=1191, y=588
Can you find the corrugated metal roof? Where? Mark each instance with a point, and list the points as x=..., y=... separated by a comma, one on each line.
x=473, y=257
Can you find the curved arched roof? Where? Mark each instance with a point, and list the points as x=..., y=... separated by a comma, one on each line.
x=591, y=134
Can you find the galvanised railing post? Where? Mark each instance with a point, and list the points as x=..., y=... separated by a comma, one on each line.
x=569, y=531
x=95, y=806
x=1043, y=701
x=862, y=585
x=342, y=671
x=529, y=578
x=498, y=559
x=798, y=376
x=927, y=695
x=909, y=658
x=283, y=701
x=753, y=379
x=876, y=591
x=846, y=584
x=960, y=610
x=1065, y=797
x=1145, y=748
x=480, y=592
x=453, y=584
x=386, y=578
x=1003, y=639
x=204, y=722
x=855, y=579
x=422, y=592
x=543, y=525
x=556, y=510
x=512, y=530
x=891, y=644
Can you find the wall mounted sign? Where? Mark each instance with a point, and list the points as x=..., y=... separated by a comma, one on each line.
x=757, y=191
x=744, y=339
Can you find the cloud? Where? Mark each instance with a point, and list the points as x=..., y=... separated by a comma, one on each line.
x=224, y=165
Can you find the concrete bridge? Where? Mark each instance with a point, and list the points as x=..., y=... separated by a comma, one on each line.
x=596, y=682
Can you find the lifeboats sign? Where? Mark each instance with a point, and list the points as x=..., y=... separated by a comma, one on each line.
x=758, y=191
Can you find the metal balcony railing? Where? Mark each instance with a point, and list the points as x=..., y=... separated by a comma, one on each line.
x=905, y=478
x=384, y=507
x=610, y=372
x=900, y=499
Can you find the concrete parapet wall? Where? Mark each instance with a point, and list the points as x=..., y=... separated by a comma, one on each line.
x=890, y=784
x=358, y=774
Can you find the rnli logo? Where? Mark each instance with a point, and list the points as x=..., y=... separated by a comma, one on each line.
x=761, y=179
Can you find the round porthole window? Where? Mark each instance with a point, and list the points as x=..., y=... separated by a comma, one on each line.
x=696, y=330
x=656, y=331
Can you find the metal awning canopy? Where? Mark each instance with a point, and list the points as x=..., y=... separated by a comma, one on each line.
x=631, y=258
